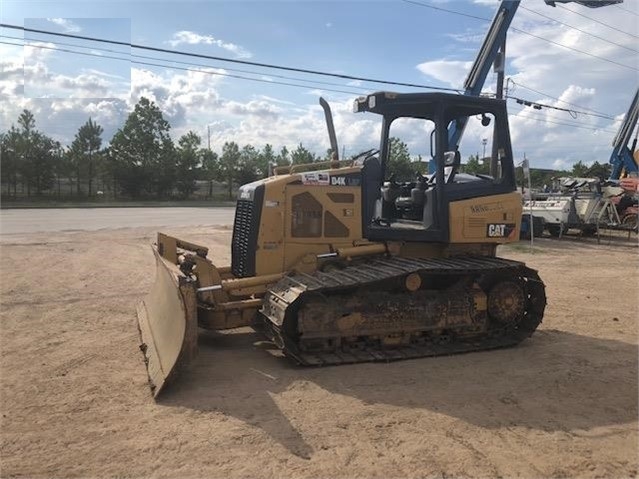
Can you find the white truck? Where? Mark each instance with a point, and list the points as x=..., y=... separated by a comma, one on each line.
x=579, y=203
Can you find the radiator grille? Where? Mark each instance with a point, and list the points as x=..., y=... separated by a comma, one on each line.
x=244, y=239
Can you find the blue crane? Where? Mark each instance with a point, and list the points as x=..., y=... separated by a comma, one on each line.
x=621, y=159
x=491, y=50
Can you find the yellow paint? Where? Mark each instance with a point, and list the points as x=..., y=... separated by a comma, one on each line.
x=469, y=219
x=277, y=250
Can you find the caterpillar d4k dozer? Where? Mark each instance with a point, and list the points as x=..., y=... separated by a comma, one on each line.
x=347, y=264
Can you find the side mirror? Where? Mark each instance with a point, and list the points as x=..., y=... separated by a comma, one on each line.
x=432, y=136
x=452, y=158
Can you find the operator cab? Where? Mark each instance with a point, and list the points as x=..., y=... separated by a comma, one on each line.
x=401, y=200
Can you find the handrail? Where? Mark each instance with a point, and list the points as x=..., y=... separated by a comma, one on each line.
x=291, y=169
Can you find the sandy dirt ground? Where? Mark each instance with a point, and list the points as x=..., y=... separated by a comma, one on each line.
x=75, y=401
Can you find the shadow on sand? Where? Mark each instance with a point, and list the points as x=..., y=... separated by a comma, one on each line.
x=555, y=381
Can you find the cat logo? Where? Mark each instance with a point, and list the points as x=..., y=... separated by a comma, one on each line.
x=499, y=230
x=338, y=181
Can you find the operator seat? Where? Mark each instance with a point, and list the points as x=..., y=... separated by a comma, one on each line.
x=371, y=183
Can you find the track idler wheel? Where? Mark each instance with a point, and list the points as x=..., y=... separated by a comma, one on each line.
x=506, y=302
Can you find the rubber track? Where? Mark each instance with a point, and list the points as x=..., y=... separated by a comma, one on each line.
x=290, y=291
x=383, y=269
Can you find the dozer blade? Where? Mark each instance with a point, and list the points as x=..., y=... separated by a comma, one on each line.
x=167, y=320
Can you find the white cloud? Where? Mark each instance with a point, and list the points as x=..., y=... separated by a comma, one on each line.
x=466, y=37
x=192, y=38
x=306, y=125
x=93, y=71
x=191, y=100
x=565, y=78
x=450, y=72
x=259, y=108
x=61, y=118
x=38, y=51
x=26, y=70
x=67, y=25
x=188, y=100
x=275, y=100
x=40, y=82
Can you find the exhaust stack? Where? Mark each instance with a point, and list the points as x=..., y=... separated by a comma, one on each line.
x=331, y=129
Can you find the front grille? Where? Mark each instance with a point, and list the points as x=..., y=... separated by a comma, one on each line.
x=244, y=239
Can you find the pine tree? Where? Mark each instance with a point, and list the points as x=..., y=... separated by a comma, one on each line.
x=143, y=154
x=84, y=148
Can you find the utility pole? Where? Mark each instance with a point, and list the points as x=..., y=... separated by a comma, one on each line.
x=208, y=141
x=526, y=170
x=499, y=67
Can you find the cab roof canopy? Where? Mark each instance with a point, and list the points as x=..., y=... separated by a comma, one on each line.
x=425, y=105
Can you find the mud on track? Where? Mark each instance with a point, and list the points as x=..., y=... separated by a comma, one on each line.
x=75, y=400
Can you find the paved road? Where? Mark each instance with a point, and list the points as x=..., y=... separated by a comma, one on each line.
x=89, y=219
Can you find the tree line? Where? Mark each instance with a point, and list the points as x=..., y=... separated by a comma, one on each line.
x=143, y=162
x=543, y=177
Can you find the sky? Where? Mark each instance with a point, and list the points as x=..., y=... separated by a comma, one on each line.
x=65, y=81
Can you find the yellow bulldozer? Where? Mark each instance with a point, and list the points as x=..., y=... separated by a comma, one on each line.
x=341, y=262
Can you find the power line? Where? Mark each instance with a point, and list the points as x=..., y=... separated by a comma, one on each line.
x=224, y=59
x=519, y=30
x=598, y=21
x=510, y=80
x=179, y=68
x=542, y=120
x=539, y=106
x=312, y=83
x=447, y=10
x=519, y=100
x=260, y=80
x=315, y=83
x=574, y=49
x=26, y=39
x=455, y=12
x=144, y=57
x=274, y=66
x=539, y=114
x=579, y=29
x=626, y=10
x=561, y=123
